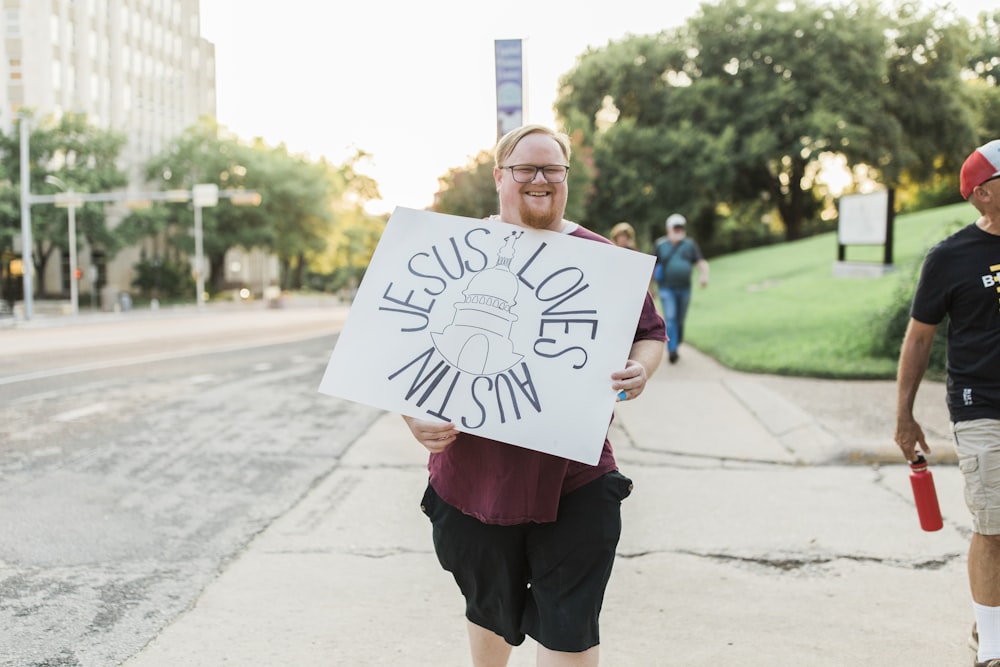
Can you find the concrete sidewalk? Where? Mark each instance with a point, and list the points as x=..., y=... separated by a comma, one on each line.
x=771, y=524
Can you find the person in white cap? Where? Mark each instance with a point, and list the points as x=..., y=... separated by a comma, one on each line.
x=960, y=281
x=676, y=257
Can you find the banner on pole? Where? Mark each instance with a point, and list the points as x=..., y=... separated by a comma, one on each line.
x=508, y=54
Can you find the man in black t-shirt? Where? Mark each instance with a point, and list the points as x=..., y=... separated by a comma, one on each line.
x=960, y=279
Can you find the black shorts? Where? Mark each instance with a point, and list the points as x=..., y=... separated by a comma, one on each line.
x=545, y=580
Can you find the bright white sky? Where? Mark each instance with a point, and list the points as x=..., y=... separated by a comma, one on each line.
x=409, y=81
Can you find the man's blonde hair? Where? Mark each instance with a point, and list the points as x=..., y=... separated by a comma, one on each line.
x=507, y=143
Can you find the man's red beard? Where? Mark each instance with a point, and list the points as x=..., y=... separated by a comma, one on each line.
x=538, y=220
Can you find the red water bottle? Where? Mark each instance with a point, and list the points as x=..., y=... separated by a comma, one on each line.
x=924, y=495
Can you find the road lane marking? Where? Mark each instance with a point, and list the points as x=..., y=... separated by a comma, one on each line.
x=79, y=413
x=163, y=356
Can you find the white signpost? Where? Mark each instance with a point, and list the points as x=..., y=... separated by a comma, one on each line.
x=864, y=219
x=510, y=333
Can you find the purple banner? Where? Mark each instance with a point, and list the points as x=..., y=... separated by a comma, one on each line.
x=510, y=87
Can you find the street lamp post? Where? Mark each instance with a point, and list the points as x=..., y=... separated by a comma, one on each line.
x=27, y=255
x=199, y=258
x=68, y=199
x=202, y=195
x=74, y=285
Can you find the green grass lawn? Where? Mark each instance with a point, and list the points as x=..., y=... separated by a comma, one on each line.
x=779, y=309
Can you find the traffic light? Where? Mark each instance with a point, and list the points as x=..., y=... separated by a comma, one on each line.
x=78, y=274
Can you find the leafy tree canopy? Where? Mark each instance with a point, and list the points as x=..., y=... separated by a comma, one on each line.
x=299, y=199
x=82, y=158
x=738, y=107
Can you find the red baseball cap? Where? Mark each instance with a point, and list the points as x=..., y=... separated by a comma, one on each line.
x=981, y=166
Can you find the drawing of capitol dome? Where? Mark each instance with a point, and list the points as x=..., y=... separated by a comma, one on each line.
x=478, y=339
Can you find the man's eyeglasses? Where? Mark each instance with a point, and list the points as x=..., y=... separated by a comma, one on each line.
x=525, y=173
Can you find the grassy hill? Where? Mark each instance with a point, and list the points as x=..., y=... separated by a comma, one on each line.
x=779, y=309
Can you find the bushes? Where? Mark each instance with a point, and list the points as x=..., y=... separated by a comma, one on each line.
x=163, y=278
x=889, y=327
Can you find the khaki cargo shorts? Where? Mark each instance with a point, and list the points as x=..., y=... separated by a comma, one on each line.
x=977, y=443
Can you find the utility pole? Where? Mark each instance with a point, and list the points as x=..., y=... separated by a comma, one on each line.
x=27, y=263
x=202, y=195
x=69, y=200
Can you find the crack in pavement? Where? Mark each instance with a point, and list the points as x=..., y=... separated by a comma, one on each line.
x=791, y=563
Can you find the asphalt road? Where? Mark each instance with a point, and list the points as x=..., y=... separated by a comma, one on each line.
x=135, y=462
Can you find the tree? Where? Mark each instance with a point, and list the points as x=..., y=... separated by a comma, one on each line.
x=85, y=159
x=984, y=64
x=355, y=230
x=351, y=241
x=984, y=55
x=470, y=190
x=925, y=95
x=734, y=110
x=204, y=153
x=300, y=203
x=296, y=210
x=349, y=249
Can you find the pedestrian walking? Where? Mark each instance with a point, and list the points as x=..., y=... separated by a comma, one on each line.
x=959, y=281
x=529, y=537
x=676, y=256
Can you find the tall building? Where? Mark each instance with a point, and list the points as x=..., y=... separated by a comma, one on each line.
x=138, y=66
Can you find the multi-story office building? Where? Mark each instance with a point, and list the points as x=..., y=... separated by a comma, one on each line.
x=138, y=66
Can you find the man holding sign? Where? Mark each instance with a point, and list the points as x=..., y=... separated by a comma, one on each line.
x=529, y=536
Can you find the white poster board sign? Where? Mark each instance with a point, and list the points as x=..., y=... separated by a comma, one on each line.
x=863, y=218
x=510, y=333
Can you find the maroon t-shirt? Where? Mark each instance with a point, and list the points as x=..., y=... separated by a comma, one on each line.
x=504, y=484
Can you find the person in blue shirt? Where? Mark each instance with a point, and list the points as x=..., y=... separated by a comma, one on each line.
x=676, y=257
